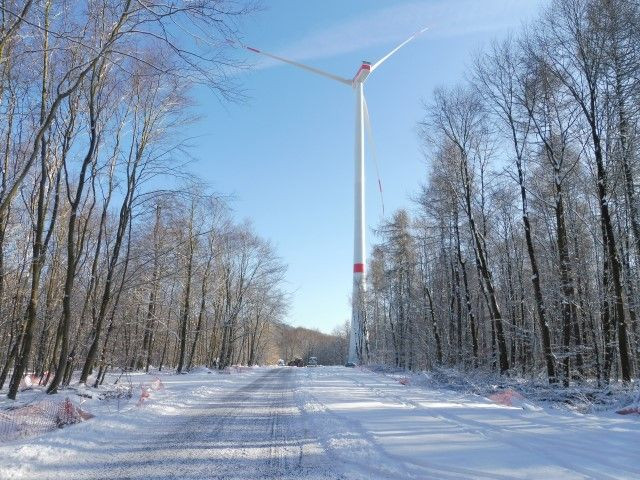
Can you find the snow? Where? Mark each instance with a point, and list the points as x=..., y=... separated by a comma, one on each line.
x=325, y=423
x=439, y=433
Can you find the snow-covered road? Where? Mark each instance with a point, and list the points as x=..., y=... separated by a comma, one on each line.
x=326, y=423
x=249, y=428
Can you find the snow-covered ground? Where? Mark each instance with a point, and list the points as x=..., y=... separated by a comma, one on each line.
x=324, y=423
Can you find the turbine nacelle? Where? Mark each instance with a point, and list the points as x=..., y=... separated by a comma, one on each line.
x=362, y=73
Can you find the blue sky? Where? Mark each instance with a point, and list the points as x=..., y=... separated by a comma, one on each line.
x=286, y=154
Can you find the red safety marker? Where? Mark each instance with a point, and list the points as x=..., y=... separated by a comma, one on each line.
x=358, y=268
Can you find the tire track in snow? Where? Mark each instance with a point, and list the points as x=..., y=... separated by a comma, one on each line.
x=375, y=460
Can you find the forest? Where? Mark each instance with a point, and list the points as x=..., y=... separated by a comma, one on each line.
x=521, y=252
x=111, y=255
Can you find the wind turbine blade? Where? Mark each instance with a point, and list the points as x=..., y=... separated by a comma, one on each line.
x=372, y=149
x=383, y=59
x=301, y=65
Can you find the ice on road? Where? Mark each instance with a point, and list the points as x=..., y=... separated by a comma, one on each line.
x=327, y=423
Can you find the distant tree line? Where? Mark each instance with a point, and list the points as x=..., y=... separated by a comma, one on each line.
x=523, y=252
x=299, y=342
x=101, y=266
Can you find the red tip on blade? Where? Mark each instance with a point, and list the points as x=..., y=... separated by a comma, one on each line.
x=358, y=268
x=253, y=49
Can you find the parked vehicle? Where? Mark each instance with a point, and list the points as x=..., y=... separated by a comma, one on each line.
x=350, y=364
x=281, y=363
x=313, y=362
x=296, y=362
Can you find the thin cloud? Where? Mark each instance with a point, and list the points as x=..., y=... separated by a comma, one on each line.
x=388, y=26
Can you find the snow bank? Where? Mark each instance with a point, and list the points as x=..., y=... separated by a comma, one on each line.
x=534, y=393
x=35, y=412
x=433, y=428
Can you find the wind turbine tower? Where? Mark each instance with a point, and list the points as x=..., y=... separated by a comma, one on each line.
x=356, y=337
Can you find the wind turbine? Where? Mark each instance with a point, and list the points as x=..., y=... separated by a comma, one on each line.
x=357, y=83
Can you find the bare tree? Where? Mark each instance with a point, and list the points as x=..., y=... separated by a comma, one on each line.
x=458, y=116
x=501, y=79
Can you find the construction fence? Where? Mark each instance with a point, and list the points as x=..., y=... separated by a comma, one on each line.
x=50, y=414
x=39, y=417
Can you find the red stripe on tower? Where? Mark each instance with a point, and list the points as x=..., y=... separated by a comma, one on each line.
x=358, y=268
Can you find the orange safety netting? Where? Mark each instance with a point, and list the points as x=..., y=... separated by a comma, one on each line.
x=629, y=411
x=234, y=369
x=508, y=398
x=28, y=381
x=39, y=417
x=145, y=390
